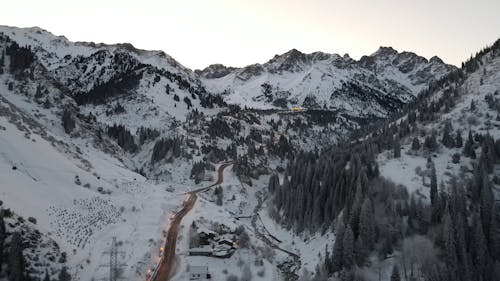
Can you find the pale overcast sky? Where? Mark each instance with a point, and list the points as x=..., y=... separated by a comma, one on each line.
x=241, y=32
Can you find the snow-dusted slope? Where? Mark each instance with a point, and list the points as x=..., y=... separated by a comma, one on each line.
x=79, y=197
x=81, y=191
x=374, y=85
x=155, y=87
x=56, y=51
x=481, y=88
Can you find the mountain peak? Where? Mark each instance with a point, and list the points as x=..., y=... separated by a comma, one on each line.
x=385, y=51
x=214, y=71
x=436, y=59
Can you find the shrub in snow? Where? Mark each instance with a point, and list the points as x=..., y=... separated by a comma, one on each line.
x=77, y=180
x=232, y=278
x=68, y=122
x=472, y=120
x=243, y=238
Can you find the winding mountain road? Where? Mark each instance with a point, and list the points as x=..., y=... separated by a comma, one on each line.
x=168, y=261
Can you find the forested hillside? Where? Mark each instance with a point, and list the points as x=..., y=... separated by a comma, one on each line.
x=450, y=231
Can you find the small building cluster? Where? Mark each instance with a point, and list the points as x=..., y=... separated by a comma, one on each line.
x=212, y=244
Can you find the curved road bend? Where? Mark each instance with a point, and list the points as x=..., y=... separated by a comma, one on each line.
x=167, y=265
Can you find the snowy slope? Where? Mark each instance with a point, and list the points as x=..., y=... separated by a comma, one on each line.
x=476, y=86
x=61, y=193
x=56, y=51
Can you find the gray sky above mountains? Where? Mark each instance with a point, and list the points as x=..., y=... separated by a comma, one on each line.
x=241, y=32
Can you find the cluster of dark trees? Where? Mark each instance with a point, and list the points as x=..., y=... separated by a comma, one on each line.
x=375, y=216
x=11, y=254
x=208, y=100
x=198, y=170
x=279, y=145
x=310, y=102
x=315, y=189
x=242, y=166
x=368, y=94
x=21, y=58
x=117, y=109
x=167, y=148
x=123, y=137
x=120, y=84
x=218, y=127
x=341, y=188
x=321, y=117
x=216, y=154
x=147, y=134
x=475, y=62
x=267, y=91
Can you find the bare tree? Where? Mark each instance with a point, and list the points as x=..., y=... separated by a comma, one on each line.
x=417, y=250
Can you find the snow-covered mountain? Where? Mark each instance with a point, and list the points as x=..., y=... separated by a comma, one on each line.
x=375, y=85
x=103, y=140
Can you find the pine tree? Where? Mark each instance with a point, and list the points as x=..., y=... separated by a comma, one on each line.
x=396, y=148
x=220, y=195
x=447, y=139
x=486, y=205
x=338, y=248
x=2, y=63
x=430, y=143
x=458, y=139
x=273, y=183
x=451, y=259
x=366, y=225
x=47, y=277
x=348, y=248
x=479, y=251
x=434, y=191
x=468, y=147
x=64, y=275
x=472, y=105
x=415, y=145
